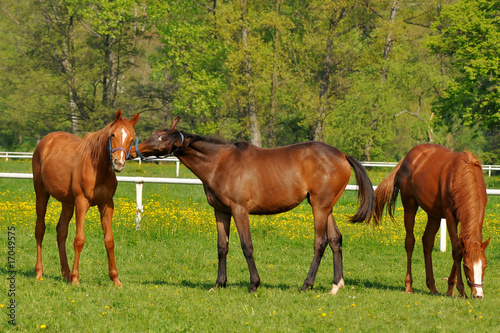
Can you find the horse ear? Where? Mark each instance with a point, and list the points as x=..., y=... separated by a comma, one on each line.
x=118, y=115
x=174, y=123
x=485, y=244
x=135, y=119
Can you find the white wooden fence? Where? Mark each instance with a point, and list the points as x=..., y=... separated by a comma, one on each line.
x=11, y=155
x=139, y=183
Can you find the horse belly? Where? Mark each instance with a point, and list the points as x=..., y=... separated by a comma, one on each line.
x=425, y=188
x=57, y=183
x=276, y=198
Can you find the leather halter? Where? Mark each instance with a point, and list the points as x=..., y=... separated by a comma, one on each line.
x=171, y=154
x=471, y=284
x=127, y=153
x=177, y=148
x=137, y=149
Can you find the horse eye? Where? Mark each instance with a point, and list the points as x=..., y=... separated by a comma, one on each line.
x=112, y=135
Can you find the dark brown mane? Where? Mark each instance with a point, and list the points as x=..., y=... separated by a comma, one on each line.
x=192, y=138
x=242, y=145
x=204, y=138
x=466, y=194
x=195, y=138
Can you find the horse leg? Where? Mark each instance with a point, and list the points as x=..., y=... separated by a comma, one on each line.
x=223, y=220
x=452, y=280
x=455, y=277
x=428, y=243
x=320, y=242
x=242, y=222
x=62, y=235
x=81, y=208
x=106, y=212
x=335, y=239
x=42, y=198
x=410, y=210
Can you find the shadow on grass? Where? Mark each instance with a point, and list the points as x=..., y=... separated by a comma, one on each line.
x=29, y=273
x=365, y=284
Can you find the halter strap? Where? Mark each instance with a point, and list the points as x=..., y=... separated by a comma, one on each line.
x=137, y=149
x=471, y=284
x=112, y=150
x=177, y=148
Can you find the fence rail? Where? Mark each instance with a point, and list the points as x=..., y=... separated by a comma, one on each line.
x=7, y=155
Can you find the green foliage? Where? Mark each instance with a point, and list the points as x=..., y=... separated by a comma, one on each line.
x=470, y=37
x=358, y=75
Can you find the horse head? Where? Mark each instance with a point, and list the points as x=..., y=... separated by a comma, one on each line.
x=160, y=143
x=120, y=140
x=474, y=266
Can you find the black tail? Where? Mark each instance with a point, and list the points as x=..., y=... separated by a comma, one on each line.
x=366, y=196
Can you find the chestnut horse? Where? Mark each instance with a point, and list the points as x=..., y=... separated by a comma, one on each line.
x=446, y=185
x=241, y=179
x=80, y=173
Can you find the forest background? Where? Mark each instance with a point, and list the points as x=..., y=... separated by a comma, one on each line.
x=371, y=77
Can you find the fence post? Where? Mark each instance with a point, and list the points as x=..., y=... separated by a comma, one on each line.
x=177, y=164
x=443, y=235
x=138, y=203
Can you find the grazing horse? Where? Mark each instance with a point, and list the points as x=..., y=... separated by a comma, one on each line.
x=446, y=185
x=241, y=179
x=80, y=173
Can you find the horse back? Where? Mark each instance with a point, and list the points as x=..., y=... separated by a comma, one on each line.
x=269, y=181
x=433, y=176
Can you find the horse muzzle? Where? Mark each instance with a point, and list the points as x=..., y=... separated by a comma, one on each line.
x=118, y=164
x=476, y=289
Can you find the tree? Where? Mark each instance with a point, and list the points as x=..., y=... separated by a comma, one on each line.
x=468, y=34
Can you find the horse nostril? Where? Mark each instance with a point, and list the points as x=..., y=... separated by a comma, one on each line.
x=118, y=165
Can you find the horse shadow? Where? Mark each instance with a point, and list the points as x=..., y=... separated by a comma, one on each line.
x=362, y=284
x=30, y=273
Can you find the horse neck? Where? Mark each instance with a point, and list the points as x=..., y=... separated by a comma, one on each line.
x=94, y=149
x=202, y=157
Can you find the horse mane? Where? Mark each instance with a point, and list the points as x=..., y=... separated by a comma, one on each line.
x=242, y=145
x=94, y=145
x=204, y=138
x=465, y=193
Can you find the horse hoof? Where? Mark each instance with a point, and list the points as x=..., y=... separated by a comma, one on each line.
x=118, y=284
x=336, y=287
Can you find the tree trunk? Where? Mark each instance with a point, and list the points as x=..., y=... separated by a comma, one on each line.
x=274, y=83
x=67, y=64
x=251, y=108
x=325, y=75
x=111, y=78
x=388, y=39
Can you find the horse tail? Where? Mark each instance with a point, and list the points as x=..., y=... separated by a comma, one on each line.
x=365, y=193
x=386, y=193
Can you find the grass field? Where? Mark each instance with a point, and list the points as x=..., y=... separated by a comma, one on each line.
x=169, y=266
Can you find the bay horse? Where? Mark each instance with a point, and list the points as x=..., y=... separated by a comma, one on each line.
x=80, y=173
x=447, y=185
x=241, y=179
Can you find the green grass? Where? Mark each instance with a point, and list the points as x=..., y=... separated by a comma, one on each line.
x=169, y=266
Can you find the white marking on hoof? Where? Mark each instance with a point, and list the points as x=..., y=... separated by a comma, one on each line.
x=336, y=287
